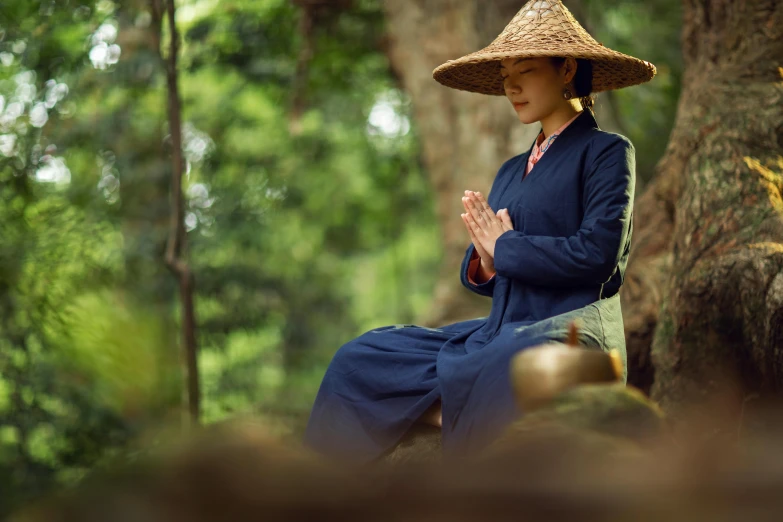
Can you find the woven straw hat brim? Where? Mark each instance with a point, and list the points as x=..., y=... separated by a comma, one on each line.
x=542, y=28
x=480, y=71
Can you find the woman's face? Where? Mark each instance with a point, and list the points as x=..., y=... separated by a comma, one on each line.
x=534, y=86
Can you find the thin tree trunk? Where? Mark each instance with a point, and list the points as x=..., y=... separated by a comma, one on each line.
x=176, y=247
x=718, y=188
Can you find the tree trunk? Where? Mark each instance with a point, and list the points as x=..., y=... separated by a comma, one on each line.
x=465, y=136
x=719, y=184
x=176, y=247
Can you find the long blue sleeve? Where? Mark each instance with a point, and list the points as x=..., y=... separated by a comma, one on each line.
x=592, y=254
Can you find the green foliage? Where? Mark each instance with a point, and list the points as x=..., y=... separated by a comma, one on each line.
x=293, y=220
x=309, y=217
x=120, y=350
x=651, y=31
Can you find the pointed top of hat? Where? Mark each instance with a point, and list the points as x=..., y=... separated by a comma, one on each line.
x=542, y=28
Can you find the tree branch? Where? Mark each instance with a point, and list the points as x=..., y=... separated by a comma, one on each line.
x=176, y=246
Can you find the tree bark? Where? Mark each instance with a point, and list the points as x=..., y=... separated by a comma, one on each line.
x=465, y=137
x=718, y=189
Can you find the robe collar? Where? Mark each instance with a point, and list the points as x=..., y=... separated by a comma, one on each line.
x=582, y=125
x=538, y=145
x=583, y=122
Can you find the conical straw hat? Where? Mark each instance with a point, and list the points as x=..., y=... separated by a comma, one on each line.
x=542, y=28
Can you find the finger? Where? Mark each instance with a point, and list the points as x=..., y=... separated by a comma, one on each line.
x=484, y=204
x=476, y=228
x=492, y=219
x=475, y=211
x=476, y=243
x=503, y=218
x=467, y=225
x=472, y=234
x=506, y=219
x=465, y=203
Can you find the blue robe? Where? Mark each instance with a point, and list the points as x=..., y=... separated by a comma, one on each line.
x=564, y=259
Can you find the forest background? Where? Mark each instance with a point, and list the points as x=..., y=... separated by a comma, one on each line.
x=310, y=212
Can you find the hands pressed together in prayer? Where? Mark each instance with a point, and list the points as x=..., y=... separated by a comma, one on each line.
x=484, y=226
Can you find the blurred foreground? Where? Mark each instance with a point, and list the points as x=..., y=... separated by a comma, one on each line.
x=598, y=452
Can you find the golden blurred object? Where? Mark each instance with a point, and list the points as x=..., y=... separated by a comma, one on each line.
x=540, y=373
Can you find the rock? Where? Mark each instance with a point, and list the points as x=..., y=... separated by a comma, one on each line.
x=604, y=418
x=422, y=443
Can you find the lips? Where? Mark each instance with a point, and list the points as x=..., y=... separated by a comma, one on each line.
x=517, y=105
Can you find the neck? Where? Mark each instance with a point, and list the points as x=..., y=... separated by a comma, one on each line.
x=556, y=119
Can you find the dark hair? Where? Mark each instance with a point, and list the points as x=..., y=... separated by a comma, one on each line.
x=583, y=80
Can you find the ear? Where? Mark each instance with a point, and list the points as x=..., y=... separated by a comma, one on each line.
x=569, y=69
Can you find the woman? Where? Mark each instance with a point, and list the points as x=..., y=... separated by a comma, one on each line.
x=549, y=245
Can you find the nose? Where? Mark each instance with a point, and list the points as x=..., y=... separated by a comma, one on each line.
x=510, y=86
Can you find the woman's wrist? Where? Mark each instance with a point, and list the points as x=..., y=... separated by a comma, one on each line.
x=485, y=270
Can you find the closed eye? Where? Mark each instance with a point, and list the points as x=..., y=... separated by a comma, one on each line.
x=520, y=72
